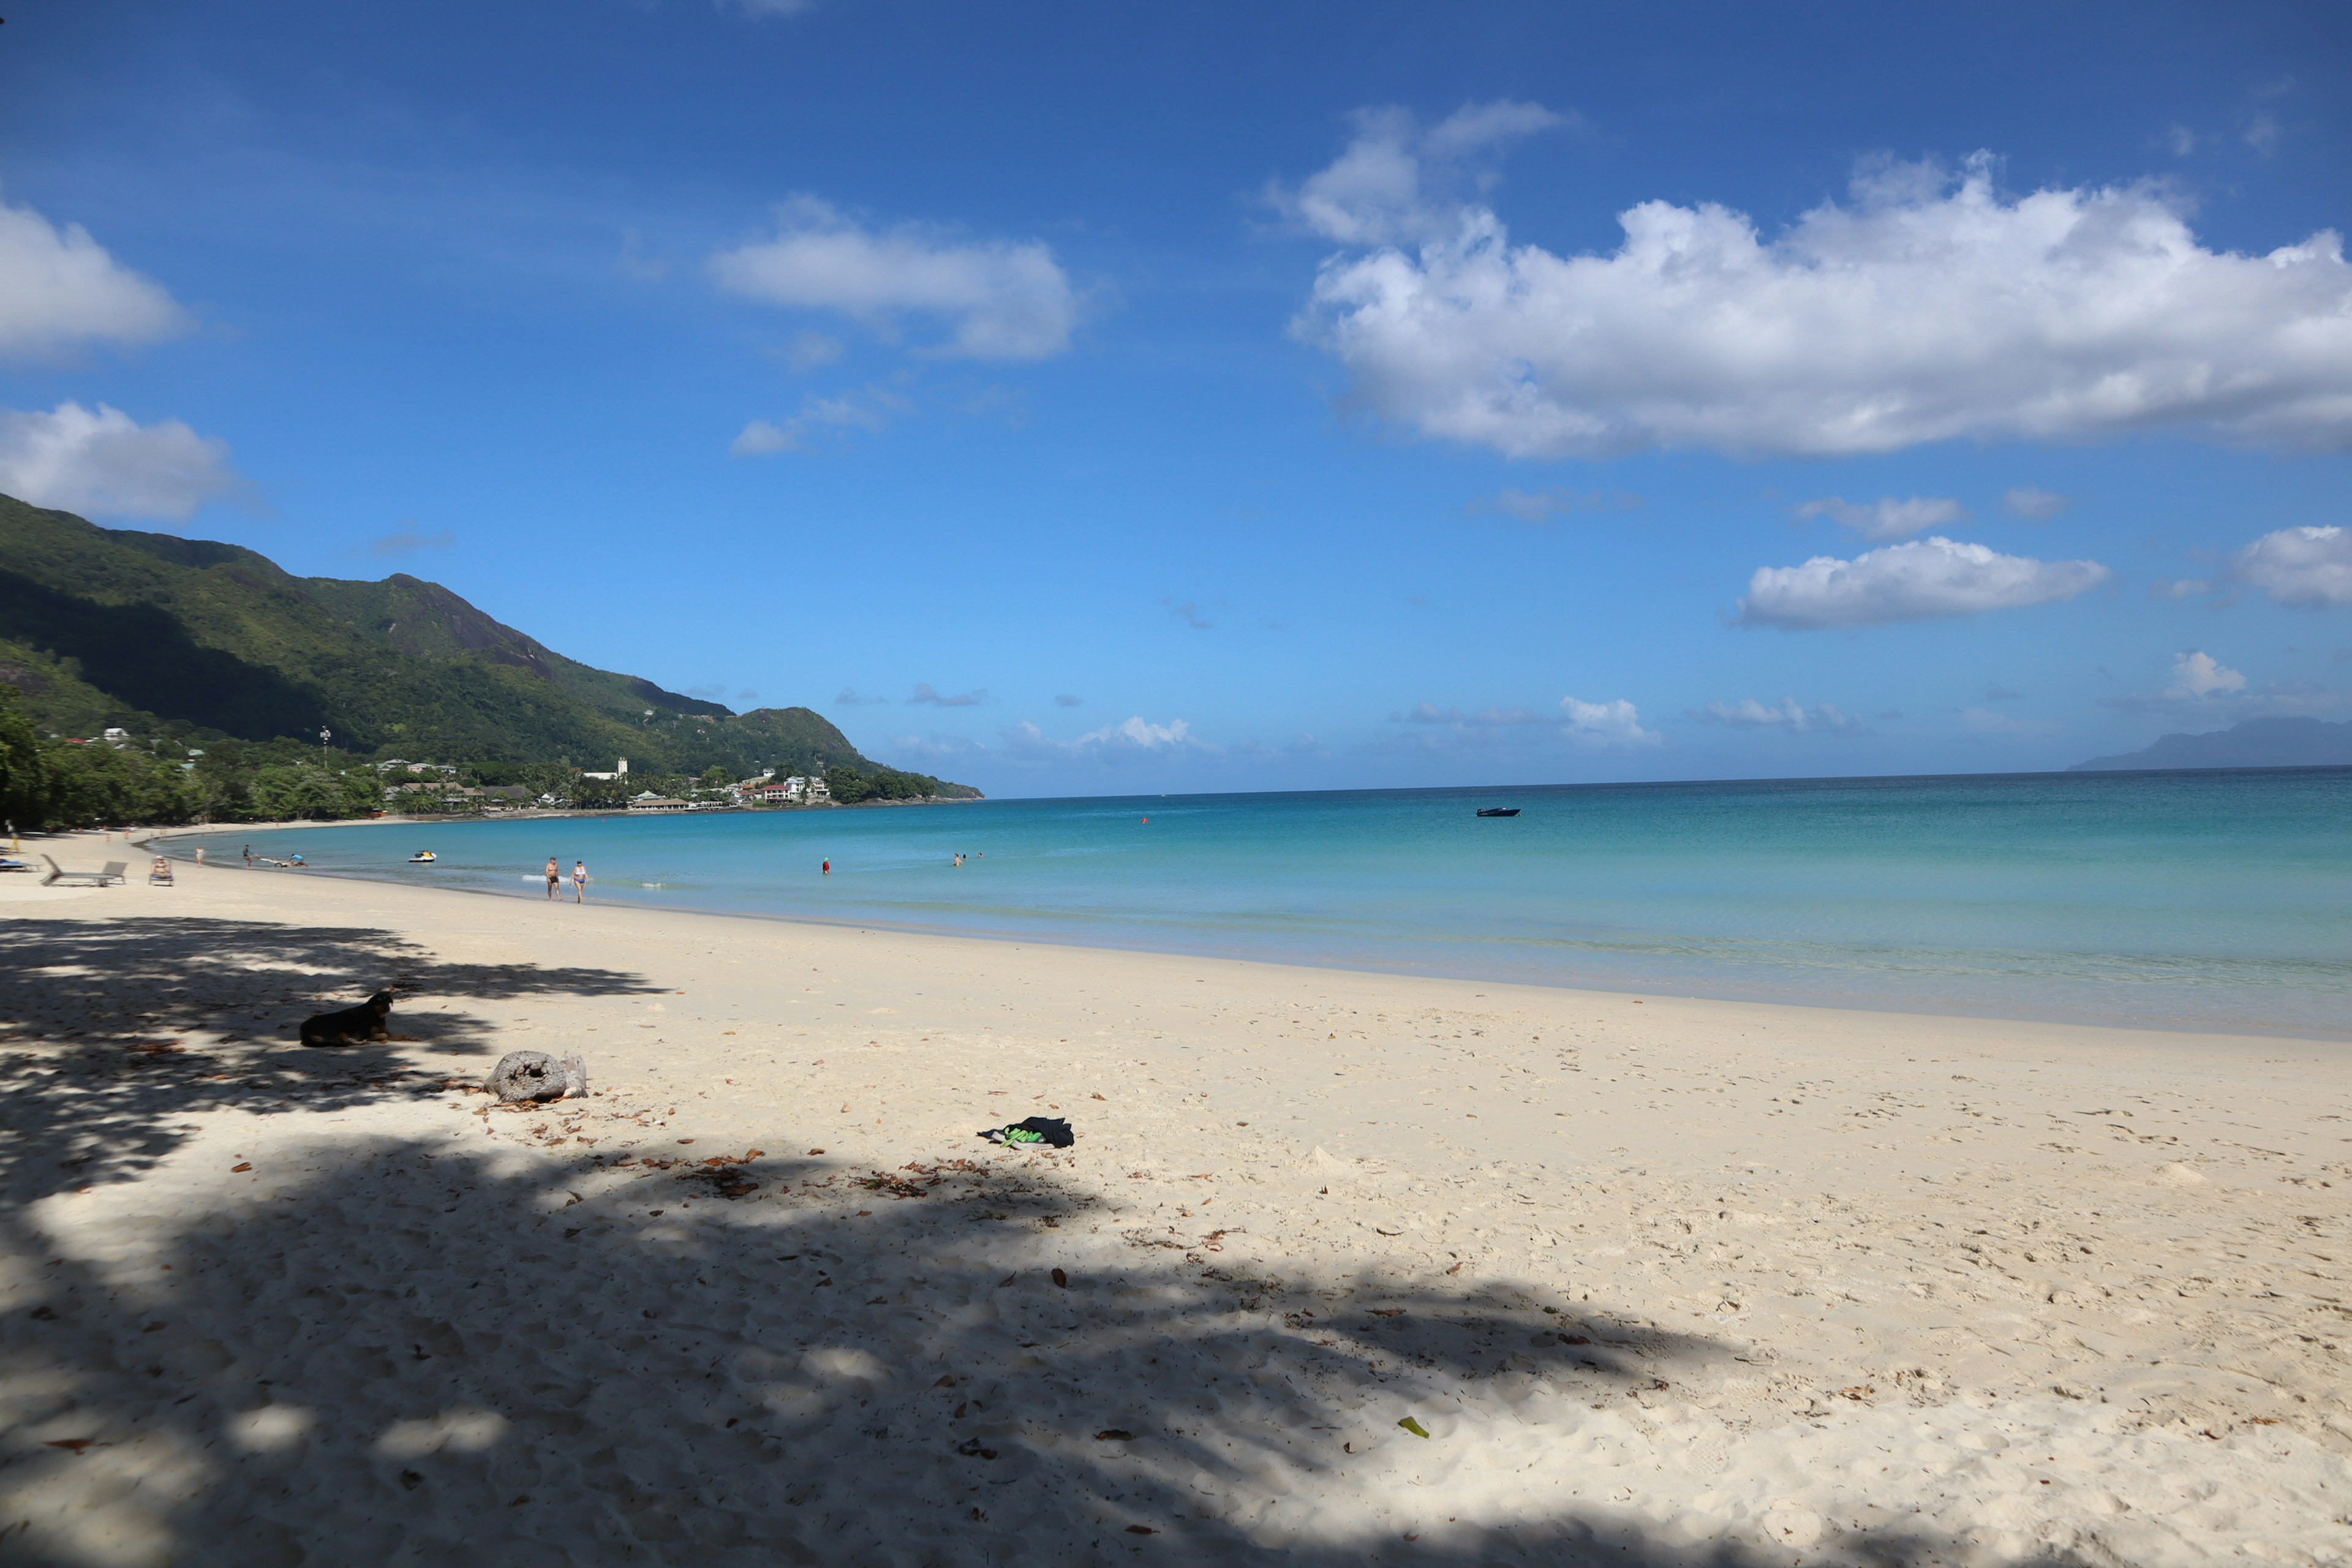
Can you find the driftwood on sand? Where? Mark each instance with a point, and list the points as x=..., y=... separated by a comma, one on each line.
x=535, y=1075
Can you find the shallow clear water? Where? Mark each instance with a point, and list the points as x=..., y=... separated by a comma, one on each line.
x=2204, y=900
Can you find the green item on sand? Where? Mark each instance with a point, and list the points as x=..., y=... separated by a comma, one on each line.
x=1414, y=1426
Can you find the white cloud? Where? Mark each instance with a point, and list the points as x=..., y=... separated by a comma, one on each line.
x=1003, y=299
x=107, y=463
x=1928, y=309
x=59, y=287
x=1134, y=737
x=2034, y=504
x=1924, y=580
x=850, y=697
x=1887, y=518
x=1791, y=715
x=1606, y=723
x=2198, y=674
x=1140, y=732
x=823, y=421
x=1398, y=185
x=2178, y=588
x=2300, y=565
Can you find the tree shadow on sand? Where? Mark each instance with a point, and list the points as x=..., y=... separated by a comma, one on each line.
x=452, y=1349
x=103, y=1076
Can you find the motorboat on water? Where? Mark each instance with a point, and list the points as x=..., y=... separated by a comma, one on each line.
x=1498, y=810
x=423, y=857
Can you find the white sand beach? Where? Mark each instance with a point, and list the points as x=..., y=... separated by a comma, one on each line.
x=1662, y=1282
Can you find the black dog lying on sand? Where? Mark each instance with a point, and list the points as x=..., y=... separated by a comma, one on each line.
x=353, y=1025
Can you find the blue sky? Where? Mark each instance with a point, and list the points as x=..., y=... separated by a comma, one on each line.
x=1071, y=399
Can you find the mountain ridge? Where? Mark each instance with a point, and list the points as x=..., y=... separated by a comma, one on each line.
x=152, y=632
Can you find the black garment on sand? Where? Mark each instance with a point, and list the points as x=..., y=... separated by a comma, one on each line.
x=1052, y=1131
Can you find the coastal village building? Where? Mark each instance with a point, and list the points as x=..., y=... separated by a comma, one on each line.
x=649, y=801
x=620, y=773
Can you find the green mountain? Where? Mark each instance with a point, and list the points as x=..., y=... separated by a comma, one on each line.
x=158, y=634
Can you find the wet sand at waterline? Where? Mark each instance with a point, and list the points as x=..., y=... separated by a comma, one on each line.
x=1662, y=1281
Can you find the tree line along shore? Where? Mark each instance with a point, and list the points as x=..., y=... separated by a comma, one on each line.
x=121, y=780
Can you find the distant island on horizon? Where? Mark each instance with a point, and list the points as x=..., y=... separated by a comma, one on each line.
x=2249, y=743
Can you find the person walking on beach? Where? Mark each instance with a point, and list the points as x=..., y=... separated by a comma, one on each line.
x=580, y=881
x=200, y=854
x=248, y=857
x=554, y=875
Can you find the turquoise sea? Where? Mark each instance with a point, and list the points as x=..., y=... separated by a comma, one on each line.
x=2218, y=900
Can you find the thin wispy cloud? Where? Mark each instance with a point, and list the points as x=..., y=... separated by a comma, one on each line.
x=825, y=423
x=1791, y=715
x=926, y=695
x=1887, y=518
x=1957, y=311
x=1189, y=613
x=1545, y=505
x=1485, y=717
x=1067, y=700
x=850, y=697
x=1006, y=299
x=104, y=463
x=2033, y=503
x=1928, y=579
x=60, y=290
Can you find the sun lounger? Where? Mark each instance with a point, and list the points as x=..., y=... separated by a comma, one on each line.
x=59, y=876
x=160, y=873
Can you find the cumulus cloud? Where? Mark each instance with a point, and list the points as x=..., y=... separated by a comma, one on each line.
x=811, y=350
x=1791, y=715
x=2197, y=674
x=823, y=422
x=58, y=288
x=1925, y=307
x=2034, y=504
x=1605, y=723
x=1887, y=518
x=405, y=541
x=2300, y=565
x=1926, y=579
x=1542, y=506
x=107, y=463
x=926, y=696
x=1000, y=299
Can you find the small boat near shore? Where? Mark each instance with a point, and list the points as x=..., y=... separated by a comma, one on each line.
x=1498, y=810
x=423, y=857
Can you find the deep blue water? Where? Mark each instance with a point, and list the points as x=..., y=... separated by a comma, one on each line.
x=2192, y=899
